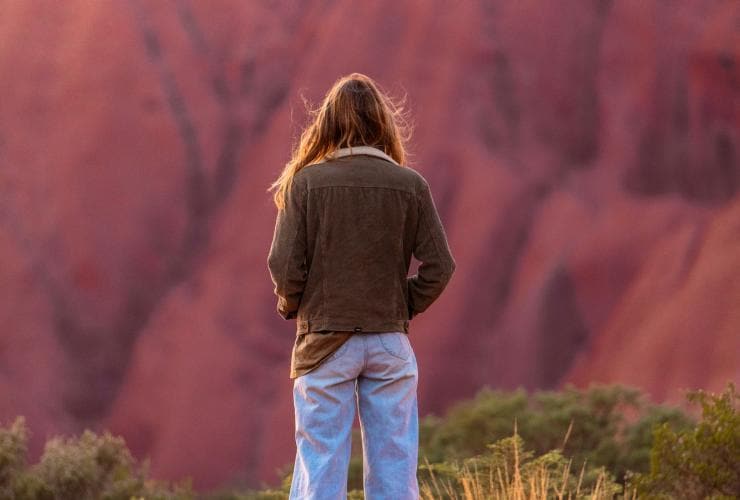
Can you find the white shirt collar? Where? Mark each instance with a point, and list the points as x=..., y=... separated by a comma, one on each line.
x=360, y=150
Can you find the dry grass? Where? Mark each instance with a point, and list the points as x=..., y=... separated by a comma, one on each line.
x=504, y=486
x=540, y=483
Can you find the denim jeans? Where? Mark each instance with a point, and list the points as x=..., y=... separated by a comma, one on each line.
x=378, y=372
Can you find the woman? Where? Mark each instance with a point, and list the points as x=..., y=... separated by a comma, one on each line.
x=350, y=216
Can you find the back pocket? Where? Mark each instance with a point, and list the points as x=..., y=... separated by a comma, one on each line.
x=396, y=344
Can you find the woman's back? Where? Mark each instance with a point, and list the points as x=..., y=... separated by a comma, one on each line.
x=362, y=214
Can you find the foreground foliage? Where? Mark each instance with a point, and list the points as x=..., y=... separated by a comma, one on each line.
x=605, y=442
x=700, y=462
x=508, y=471
x=606, y=426
x=88, y=467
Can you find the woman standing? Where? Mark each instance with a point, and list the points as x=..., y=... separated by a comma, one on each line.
x=350, y=216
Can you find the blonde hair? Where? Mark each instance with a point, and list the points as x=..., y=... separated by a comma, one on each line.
x=354, y=113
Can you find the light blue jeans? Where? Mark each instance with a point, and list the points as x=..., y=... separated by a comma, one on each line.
x=378, y=372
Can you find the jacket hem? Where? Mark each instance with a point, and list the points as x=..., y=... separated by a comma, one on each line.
x=319, y=325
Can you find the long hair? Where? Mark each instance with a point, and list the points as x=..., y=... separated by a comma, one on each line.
x=354, y=113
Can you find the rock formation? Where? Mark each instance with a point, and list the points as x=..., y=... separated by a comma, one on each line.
x=583, y=156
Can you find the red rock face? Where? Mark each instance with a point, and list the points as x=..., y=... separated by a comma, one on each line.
x=584, y=158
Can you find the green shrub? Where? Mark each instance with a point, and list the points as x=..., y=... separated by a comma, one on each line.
x=700, y=462
x=88, y=467
x=594, y=421
x=13, y=448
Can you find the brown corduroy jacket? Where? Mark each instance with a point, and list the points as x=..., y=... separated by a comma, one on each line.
x=342, y=246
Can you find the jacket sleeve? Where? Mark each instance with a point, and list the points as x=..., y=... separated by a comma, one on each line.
x=287, y=257
x=433, y=252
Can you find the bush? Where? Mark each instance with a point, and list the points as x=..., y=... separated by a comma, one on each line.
x=88, y=467
x=13, y=448
x=595, y=421
x=700, y=462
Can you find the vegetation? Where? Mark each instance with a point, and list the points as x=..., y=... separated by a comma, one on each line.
x=606, y=426
x=700, y=462
x=604, y=442
x=88, y=467
x=507, y=471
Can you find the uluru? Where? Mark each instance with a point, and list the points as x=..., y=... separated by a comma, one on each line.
x=583, y=155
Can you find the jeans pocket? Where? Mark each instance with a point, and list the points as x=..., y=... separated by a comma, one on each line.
x=396, y=344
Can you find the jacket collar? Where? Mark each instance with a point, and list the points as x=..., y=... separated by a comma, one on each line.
x=360, y=150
